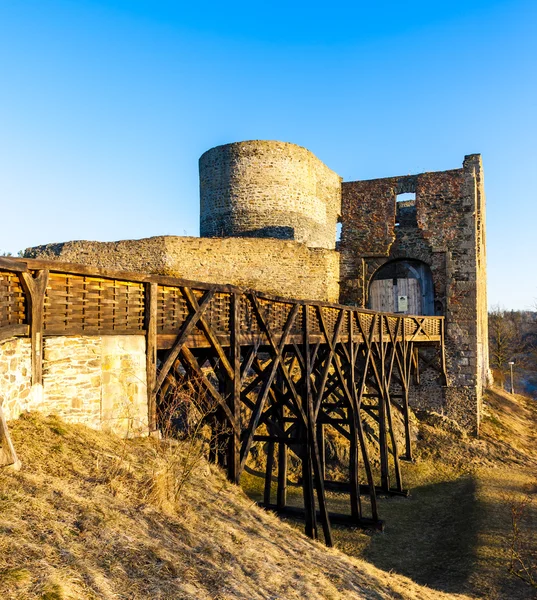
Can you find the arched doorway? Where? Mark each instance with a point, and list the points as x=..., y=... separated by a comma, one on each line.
x=402, y=286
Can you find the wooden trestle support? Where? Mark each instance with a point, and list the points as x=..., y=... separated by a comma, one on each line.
x=296, y=380
x=279, y=370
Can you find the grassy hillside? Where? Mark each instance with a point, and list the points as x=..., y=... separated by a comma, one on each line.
x=90, y=516
x=454, y=533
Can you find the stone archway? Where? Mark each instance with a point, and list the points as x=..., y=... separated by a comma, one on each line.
x=402, y=286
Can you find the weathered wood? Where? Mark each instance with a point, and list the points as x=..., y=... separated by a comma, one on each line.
x=311, y=436
x=268, y=472
x=151, y=314
x=34, y=288
x=247, y=351
x=10, y=331
x=8, y=456
x=234, y=391
x=281, y=494
x=188, y=326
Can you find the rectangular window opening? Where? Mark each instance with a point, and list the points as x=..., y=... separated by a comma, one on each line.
x=408, y=197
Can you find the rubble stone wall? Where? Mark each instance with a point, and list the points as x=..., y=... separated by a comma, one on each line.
x=444, y=228
x=279, y=267
x=94, y=380
x=268, y=189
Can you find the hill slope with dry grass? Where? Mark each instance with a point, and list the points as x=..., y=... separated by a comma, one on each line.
x=90, y=516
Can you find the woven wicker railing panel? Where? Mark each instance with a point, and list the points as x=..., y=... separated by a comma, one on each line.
x=410, y=327
x=12, y=300
x=390, y=324
x=366, y=321
x=248, y=320
x=172, y=309
x=431, y=326
x=77, y=303
x=218, y=313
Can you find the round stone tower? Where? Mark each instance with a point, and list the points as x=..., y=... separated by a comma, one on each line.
x=268, y=189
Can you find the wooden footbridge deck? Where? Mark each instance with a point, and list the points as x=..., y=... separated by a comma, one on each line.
x=280, y=370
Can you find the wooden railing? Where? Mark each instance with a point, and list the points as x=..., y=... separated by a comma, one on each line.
x=82, y=300
x=288, y=366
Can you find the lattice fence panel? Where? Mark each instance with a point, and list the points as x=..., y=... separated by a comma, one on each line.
x=77, y=304
x=172, y=309
x=12, y=300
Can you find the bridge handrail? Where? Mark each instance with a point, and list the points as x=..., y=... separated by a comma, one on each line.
x=79, y=299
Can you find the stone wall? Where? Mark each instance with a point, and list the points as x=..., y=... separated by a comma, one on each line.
x=279, y=267
x=268, y=189
x=16, y=393
x=443, y=228
x=98, y=381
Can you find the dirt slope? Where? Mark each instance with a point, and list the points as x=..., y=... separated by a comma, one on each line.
x=90, y=516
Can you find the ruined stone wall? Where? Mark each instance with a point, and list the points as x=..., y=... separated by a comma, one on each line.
x=273, y=266
x=443, y=228
x=268, y=189
x=94, y=380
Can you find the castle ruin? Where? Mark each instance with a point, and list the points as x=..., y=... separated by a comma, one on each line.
x=269, y=216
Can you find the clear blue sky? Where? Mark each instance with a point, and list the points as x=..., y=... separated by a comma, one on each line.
x=106, y=105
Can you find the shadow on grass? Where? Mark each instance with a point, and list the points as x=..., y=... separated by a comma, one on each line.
x=431, y=537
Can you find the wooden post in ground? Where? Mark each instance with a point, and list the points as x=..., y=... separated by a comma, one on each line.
x=234, y=392
x=8, y=456
x=354, y=483
x=268, y=473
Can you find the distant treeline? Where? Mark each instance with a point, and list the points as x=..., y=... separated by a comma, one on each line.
x=513, y=339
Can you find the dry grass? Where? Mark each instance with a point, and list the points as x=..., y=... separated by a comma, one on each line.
x=88, y=517
x=454, y=533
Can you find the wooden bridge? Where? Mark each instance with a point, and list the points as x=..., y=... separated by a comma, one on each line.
x=280, y=370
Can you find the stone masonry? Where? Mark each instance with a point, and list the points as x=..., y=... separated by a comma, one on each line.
x=444, y=229
x=275, y=207
x=268, y=189
x=279, y=267
x=98, y=381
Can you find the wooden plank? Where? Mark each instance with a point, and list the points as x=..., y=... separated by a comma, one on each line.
x=10, y=331
x=151, y=292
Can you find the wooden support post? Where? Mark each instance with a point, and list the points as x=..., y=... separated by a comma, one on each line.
x=34, y=288
x=383, y=440
x=234, y=392
x=312, y=448
x=354, y=483
x=322, y=448
x=307, y=492
x=268, y=472
x=8, y=456
x=281, y=496
x=151, y=312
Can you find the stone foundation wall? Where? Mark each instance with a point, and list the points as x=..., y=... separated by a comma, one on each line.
x=279, y=267
x=94, y=380
x=16, y=393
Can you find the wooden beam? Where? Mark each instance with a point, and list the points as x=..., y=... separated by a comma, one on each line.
x=34, y=288
x=188, y=326
x=10, y=331
x=234, y=391
x=8, y=456
x=151, y=313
